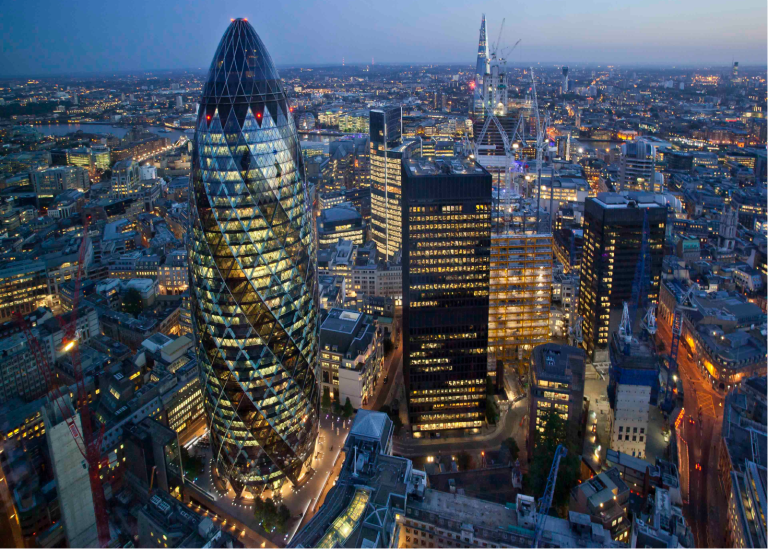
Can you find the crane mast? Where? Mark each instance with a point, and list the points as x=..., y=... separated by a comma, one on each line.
x=546, y=499
x=87, y=439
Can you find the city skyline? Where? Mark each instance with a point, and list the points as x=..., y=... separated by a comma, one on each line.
x=684, y=34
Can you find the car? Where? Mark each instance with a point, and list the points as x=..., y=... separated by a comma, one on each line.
x=698, y=466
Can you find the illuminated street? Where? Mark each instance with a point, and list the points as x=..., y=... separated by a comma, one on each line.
x=301, y=502
x=705, y=508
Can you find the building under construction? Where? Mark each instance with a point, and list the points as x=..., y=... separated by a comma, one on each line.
x=520, y=298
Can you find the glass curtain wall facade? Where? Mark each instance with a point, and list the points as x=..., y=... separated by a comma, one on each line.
x=613, y=232
x=446, y=247
x=251, y=255
x=386, y=155
x=520, y=298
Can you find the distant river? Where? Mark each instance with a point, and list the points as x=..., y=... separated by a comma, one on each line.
x=60, y=130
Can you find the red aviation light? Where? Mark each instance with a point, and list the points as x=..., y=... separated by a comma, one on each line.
x=472, y=85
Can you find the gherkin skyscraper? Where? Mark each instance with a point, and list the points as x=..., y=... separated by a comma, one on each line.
x=252, y=267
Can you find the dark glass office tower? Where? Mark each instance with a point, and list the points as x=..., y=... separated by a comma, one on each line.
x=613, y=228
x=254, y=294
x=446, y=278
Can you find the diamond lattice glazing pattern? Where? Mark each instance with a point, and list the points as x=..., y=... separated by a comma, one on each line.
x=252, y=269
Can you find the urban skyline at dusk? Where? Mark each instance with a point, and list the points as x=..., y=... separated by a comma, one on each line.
x=65, y=38
x=392, y=276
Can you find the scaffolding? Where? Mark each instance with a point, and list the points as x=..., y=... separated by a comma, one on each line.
x=520, y=298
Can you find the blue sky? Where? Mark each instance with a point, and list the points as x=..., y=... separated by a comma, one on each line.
x=40, y=37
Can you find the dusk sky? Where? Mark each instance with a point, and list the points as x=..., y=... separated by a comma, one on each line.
x=45, y=37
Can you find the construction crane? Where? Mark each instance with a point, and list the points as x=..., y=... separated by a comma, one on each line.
x=545, y=502
x=625, y=328
x=686, y=304
x=87, y=440
x=540, y=144
x=576, y=332
x=649, y=320
x=507, y=51
x=496, y=44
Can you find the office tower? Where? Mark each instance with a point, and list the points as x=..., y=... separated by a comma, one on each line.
x=480, y=72
x=565, y=79
x=735, y=70
x=387, y=152
x=520, y=299
x=557, y=385
x=126, y=179
x=726, y=234
x=252, y=265
x=179, y=101
x=23, y=287
x=153, y=458
x=638, y=167
x=446, y=246
x=613, y=227
x=52, y=181
x=71, y=474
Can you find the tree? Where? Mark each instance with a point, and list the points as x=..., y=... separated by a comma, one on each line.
x=511, y=446
x=555, y=432
x=266, y=513
x=336, y=407
x=282, y=518
x=193, y=466
x=132, y=303
x=388, y=346
x=326, y=402
x=464, y=460
x=258, y=509
x=491, y=413
x=348, y=409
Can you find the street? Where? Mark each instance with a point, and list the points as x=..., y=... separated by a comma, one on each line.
x=302, y=501
x=392, y=365
x=706, y=509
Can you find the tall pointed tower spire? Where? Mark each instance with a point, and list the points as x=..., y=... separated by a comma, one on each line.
x=481, y=70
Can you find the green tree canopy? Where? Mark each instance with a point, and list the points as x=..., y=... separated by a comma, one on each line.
x=348, y=409
x=491, y=413
x=132, y=303
x=555, y=432
x=193, y=466
x=326, y=402
x=511, y=445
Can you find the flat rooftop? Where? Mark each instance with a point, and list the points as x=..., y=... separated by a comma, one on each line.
x=466, y=509
x=447, y=165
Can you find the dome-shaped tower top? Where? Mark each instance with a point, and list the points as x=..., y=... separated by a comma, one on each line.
x=242, y=74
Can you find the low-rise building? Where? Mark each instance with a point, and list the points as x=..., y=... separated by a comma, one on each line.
x=340, y=222
x=604, y=498
x=166, y=522
x=351, y=356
